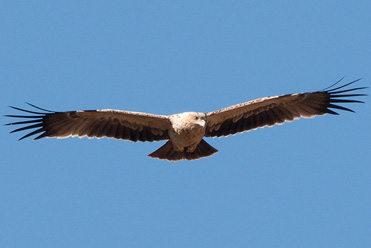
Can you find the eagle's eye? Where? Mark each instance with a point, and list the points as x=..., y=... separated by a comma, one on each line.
x=196, y=117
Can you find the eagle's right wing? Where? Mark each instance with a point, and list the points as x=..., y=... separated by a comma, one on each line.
x=110, y=123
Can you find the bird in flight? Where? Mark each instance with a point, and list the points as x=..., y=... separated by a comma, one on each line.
x=184, y=132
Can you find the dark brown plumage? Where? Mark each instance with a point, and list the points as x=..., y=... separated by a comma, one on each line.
x=185, y=131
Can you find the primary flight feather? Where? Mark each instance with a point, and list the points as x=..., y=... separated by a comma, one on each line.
x=185, y=131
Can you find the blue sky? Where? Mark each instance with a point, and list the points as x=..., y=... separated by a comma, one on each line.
x=301, y=184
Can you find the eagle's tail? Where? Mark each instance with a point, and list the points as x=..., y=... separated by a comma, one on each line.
x=167, y=151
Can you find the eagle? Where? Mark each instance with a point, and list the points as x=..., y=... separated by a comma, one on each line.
x=185, y=132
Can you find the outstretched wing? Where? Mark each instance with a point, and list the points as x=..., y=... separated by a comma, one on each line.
x=110, y=123
x=269, y=111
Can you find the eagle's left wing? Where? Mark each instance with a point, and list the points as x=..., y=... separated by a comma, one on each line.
x=269, y=111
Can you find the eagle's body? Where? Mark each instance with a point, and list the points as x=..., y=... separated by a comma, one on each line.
x=185, y=131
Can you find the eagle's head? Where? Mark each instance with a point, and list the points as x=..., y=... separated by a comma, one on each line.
x=189, y=120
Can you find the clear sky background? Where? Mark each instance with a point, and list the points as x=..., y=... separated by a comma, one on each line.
x=301, y=184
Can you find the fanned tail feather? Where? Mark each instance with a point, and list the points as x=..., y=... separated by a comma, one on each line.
x=167, y=151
